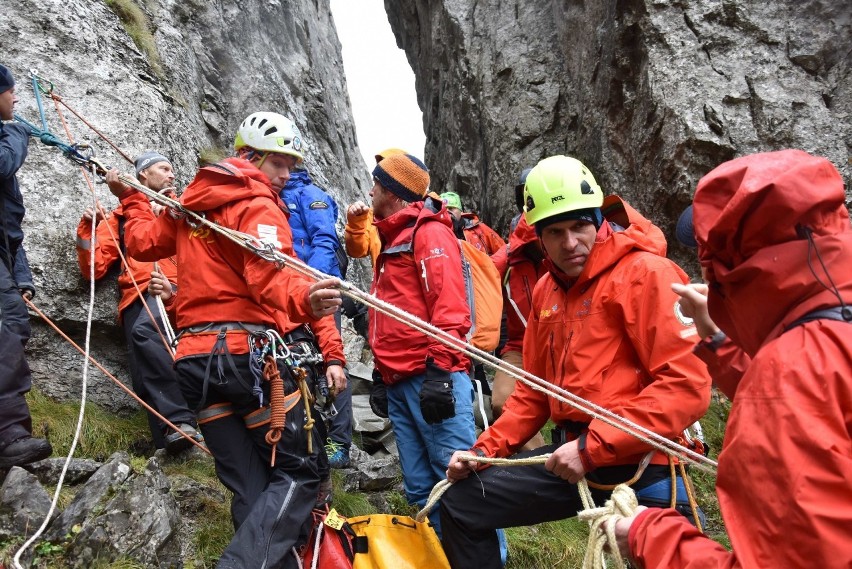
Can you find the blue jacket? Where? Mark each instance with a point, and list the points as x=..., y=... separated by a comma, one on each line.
x=313, y=218
x=14, y=138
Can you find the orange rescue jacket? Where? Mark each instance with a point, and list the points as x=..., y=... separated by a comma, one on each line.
x=615, y=337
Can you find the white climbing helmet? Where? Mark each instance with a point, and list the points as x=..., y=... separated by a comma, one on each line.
x=270, y=132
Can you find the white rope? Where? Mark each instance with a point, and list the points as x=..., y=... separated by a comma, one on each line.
x=268, y=252
x=622, y=504
x=164, y=316
x=81, y=415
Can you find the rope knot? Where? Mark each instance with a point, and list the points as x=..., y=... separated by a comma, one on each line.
x=601, y=520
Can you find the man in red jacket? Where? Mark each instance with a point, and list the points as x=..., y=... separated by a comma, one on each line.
x=604, y=325
x=230, y=299
x=429, y=394
x=775, y=246
x=150, y=362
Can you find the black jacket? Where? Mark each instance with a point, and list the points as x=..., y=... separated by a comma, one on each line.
x=14, y=138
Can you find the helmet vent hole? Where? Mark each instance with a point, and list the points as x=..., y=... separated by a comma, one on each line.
x=271, y=130
x=585, y=188
x=252, y=121
x=261, y=123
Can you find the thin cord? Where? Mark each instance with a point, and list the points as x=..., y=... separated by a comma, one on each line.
x=833, y=288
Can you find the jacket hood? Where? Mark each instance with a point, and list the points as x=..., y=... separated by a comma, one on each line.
x=228, y=181
x=522, y=237
x=751, y=217
x=412, y=216
x=298, y=179
x=632, y=232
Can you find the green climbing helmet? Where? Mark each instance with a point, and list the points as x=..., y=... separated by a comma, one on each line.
x=270, y=132
x=452, y=199
x=557, y=185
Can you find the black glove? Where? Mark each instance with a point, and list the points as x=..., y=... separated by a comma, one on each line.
x=436, y=396
x=379, y=396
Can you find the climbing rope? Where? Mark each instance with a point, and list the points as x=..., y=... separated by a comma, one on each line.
x=278, y=415
x=77, y=429
x=601, y=520
x=112, y=377
x=268, y=252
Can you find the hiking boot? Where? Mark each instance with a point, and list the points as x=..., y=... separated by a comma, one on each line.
x=176, y=442
x=24, y=451
x=338, y=454
x=324, y=494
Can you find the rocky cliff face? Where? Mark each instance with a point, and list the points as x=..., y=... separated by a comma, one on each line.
x=191, y=72
x=649, y=94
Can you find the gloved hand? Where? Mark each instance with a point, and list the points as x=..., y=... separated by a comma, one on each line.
x=436, y=395
x=379, y=396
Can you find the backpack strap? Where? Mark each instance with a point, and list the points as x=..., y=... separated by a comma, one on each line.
x=839, y=313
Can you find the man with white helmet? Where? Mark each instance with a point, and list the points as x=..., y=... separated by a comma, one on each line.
x=604, y=325
x=229, y=299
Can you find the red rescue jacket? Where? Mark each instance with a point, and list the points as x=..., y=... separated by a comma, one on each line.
x=424, y=278
x=480, y=235
x=107, y=253
x=785, y=470
x=614, y=337
x=219, y=280
x=523, y=267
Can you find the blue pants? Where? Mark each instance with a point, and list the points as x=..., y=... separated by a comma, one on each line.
x=425, y=450
x=340, y=428
x=15, y=379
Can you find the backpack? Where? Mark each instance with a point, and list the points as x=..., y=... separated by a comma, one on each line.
x=484, y=297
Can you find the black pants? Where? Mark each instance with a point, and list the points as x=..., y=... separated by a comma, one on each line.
x=271, y=506
x=152, y=369
x=511, y=496
x=15, y=378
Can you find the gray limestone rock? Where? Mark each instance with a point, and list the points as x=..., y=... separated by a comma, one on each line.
x=205, y=67
x=49, y=470
x=24, y=504
x=92, y=497
x=650, y=94
x=140, y=522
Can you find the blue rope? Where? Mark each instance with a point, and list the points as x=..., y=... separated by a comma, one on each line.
x=50, y=139
x=44, y=126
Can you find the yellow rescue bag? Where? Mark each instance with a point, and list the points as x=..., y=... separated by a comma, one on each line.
x=384, y=541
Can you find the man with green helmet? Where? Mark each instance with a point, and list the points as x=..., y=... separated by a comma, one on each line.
x=606, y=326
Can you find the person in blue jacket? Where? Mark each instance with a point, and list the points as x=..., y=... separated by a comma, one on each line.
x=17, y=445
x=313, y=219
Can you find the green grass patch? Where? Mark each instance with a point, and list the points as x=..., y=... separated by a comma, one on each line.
x=139, y=28
x=212, y=534
x=102, y=434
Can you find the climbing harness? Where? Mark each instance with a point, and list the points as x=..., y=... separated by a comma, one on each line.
x=268, y=349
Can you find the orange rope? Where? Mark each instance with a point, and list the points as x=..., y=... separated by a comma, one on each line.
x=56, y=98
x=113, y=378
x=277, y=413
x=111, y=233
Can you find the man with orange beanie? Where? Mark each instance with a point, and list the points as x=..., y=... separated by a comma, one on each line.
x=429, y=394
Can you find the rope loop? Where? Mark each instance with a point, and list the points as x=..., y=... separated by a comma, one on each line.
x=278, y=415
x=601, y=520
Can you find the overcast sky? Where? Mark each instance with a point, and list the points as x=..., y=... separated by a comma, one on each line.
x=381, y=83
